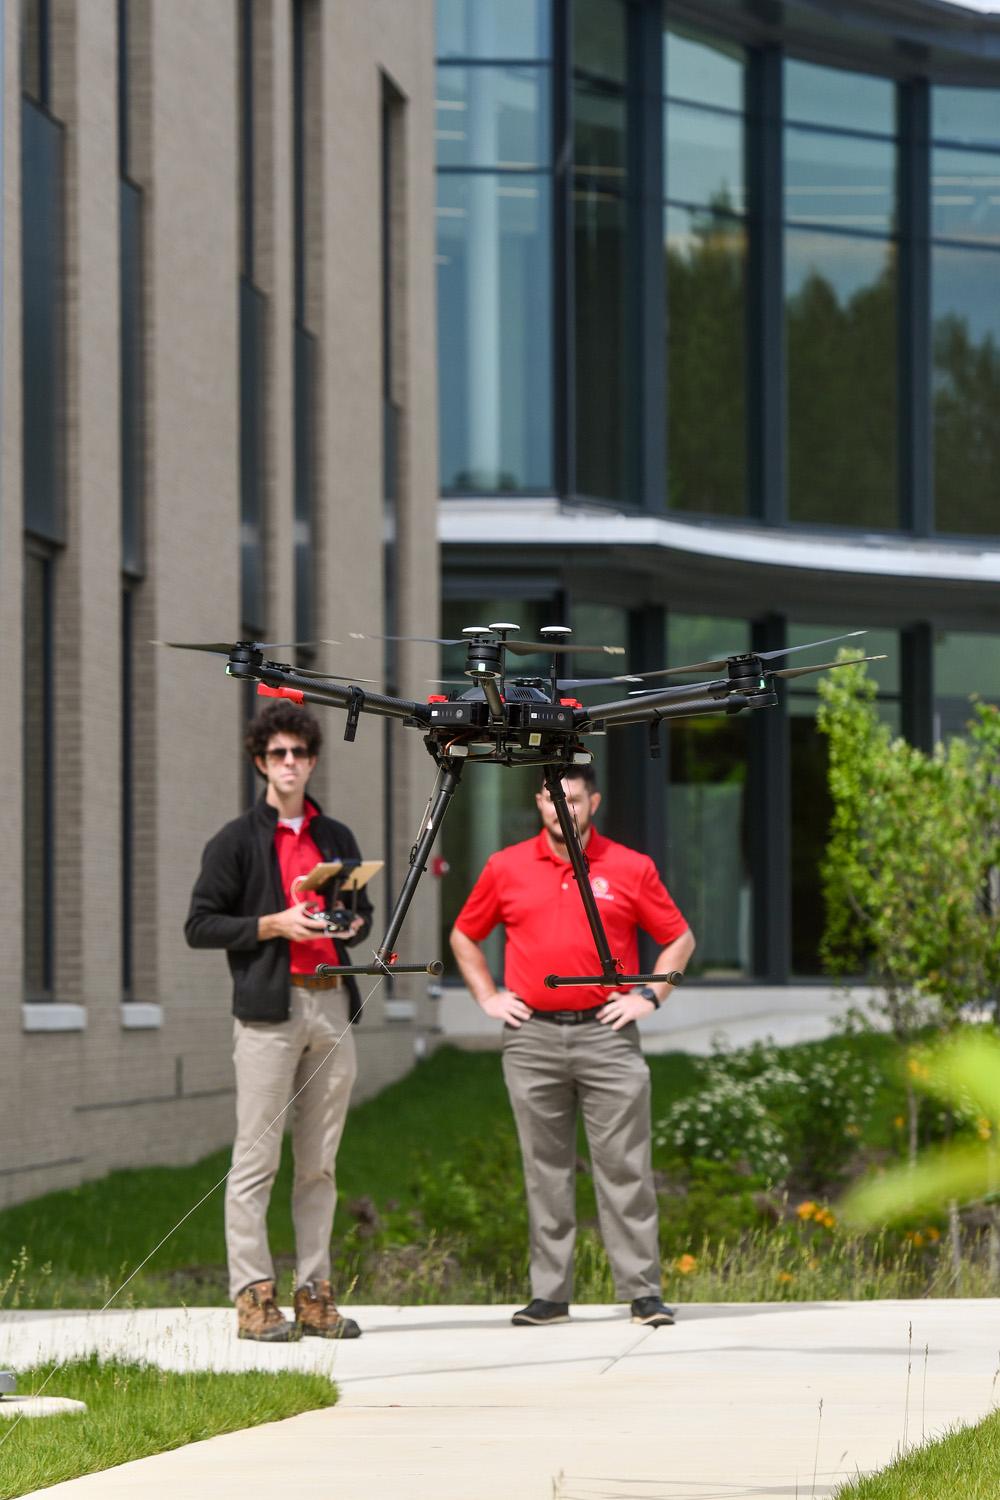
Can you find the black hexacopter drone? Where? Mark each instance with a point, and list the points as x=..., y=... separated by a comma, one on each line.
x=511, y=720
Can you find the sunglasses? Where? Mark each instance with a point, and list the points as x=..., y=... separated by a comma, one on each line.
x=299, y=752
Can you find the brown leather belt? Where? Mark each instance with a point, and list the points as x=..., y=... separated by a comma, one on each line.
x=316, y=981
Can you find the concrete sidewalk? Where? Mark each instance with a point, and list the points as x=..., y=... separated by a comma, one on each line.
x=451, y=1403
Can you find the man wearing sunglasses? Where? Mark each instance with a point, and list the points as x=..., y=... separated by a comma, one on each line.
x=292, y=1029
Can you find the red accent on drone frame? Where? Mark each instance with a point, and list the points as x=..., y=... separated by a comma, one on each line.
x=263, y=691
x=437, y=698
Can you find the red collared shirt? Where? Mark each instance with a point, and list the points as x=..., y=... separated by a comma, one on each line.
x=533, y=893
x=297, y=854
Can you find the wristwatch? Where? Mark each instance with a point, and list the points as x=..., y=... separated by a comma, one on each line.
x=648, y=993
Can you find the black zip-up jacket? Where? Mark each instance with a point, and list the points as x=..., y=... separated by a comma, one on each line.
x=240, y=881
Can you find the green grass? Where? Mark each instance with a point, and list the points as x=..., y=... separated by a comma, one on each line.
x=73, y=1248
x=135, y=1410
x=965, y=1465
x=432, y=1210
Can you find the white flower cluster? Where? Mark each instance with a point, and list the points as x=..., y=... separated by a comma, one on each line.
x=757, y=1105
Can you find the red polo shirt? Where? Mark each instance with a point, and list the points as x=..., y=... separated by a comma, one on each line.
x=296, y=856
x=533, y=893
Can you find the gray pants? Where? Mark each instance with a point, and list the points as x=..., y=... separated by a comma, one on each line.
x=273, y=1060
x=551, y=1071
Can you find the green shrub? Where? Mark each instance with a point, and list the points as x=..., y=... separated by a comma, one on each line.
x=786, y=1113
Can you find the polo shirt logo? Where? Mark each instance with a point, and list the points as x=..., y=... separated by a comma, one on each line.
x=601, y=888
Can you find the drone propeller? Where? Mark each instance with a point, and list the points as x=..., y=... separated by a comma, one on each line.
x=719, y=662
x=823, y=666
x=226, y=648
x=517, y=648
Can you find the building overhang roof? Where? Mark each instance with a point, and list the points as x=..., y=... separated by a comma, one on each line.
x=751, y=569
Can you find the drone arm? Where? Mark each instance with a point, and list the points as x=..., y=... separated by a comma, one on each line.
x=651, y=709
x=284, y=682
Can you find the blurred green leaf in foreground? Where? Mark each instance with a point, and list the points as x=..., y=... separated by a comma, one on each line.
x=964, y=1073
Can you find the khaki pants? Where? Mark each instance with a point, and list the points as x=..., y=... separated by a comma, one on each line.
x=273, y=1060
x=551, y=1072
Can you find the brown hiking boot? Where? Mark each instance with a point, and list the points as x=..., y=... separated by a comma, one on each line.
x=258, y=1316
x=316, y=1314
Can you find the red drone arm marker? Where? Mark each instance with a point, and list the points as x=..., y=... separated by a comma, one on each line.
x=263, y=691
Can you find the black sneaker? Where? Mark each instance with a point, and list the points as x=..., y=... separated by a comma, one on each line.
x=539, y=1312
x=652, y=1311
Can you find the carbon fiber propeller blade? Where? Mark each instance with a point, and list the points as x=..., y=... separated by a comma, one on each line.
x=226, y=648
x=516, y=648
x=824, y=666
x=717, y=663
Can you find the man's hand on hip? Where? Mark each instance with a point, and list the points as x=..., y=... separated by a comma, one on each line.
x=296, y=923
x=504, y=1005
x=621, y=1009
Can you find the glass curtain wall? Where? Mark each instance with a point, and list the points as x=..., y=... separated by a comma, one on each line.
x=965, y=307
x=840, y=169
x=708, y=870
x=811, y=807
x=605, y=355
x=494, y=244
x=705, y=262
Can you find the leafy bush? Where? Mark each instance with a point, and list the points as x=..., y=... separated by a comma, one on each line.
x=786, y=1113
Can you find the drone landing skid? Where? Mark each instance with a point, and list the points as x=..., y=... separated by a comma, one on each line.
x=560, y=982
x=435, y=968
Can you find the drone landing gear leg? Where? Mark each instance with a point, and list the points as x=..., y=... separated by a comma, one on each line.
x=611, y=976
x=448, y=776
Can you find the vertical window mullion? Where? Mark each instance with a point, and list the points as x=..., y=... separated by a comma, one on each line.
x=648, y=311
x=767, y=373
x=915, y=412
x=563, y=278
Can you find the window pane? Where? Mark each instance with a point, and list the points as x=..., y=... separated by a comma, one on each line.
x=841, y=341
x=603, y=410
x=963, y=664
x=494, y=332
x=37, y=791
x=706, y=385
x=840, y=180
x=965, y=300
x=970, y=116
x=493, y=28
x=707, y=866
x=599, y=38
x=600, y=133
x=704, y=154
x=492, y=117
x=965, y=196
x=707, y=71
x=837, y=98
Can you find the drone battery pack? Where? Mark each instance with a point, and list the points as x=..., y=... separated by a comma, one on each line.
x=467, y=715
x=546, y=716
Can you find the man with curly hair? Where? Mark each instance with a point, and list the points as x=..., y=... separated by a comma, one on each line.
x=291, y=1029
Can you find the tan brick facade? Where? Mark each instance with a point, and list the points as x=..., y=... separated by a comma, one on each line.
x=76, y=1103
